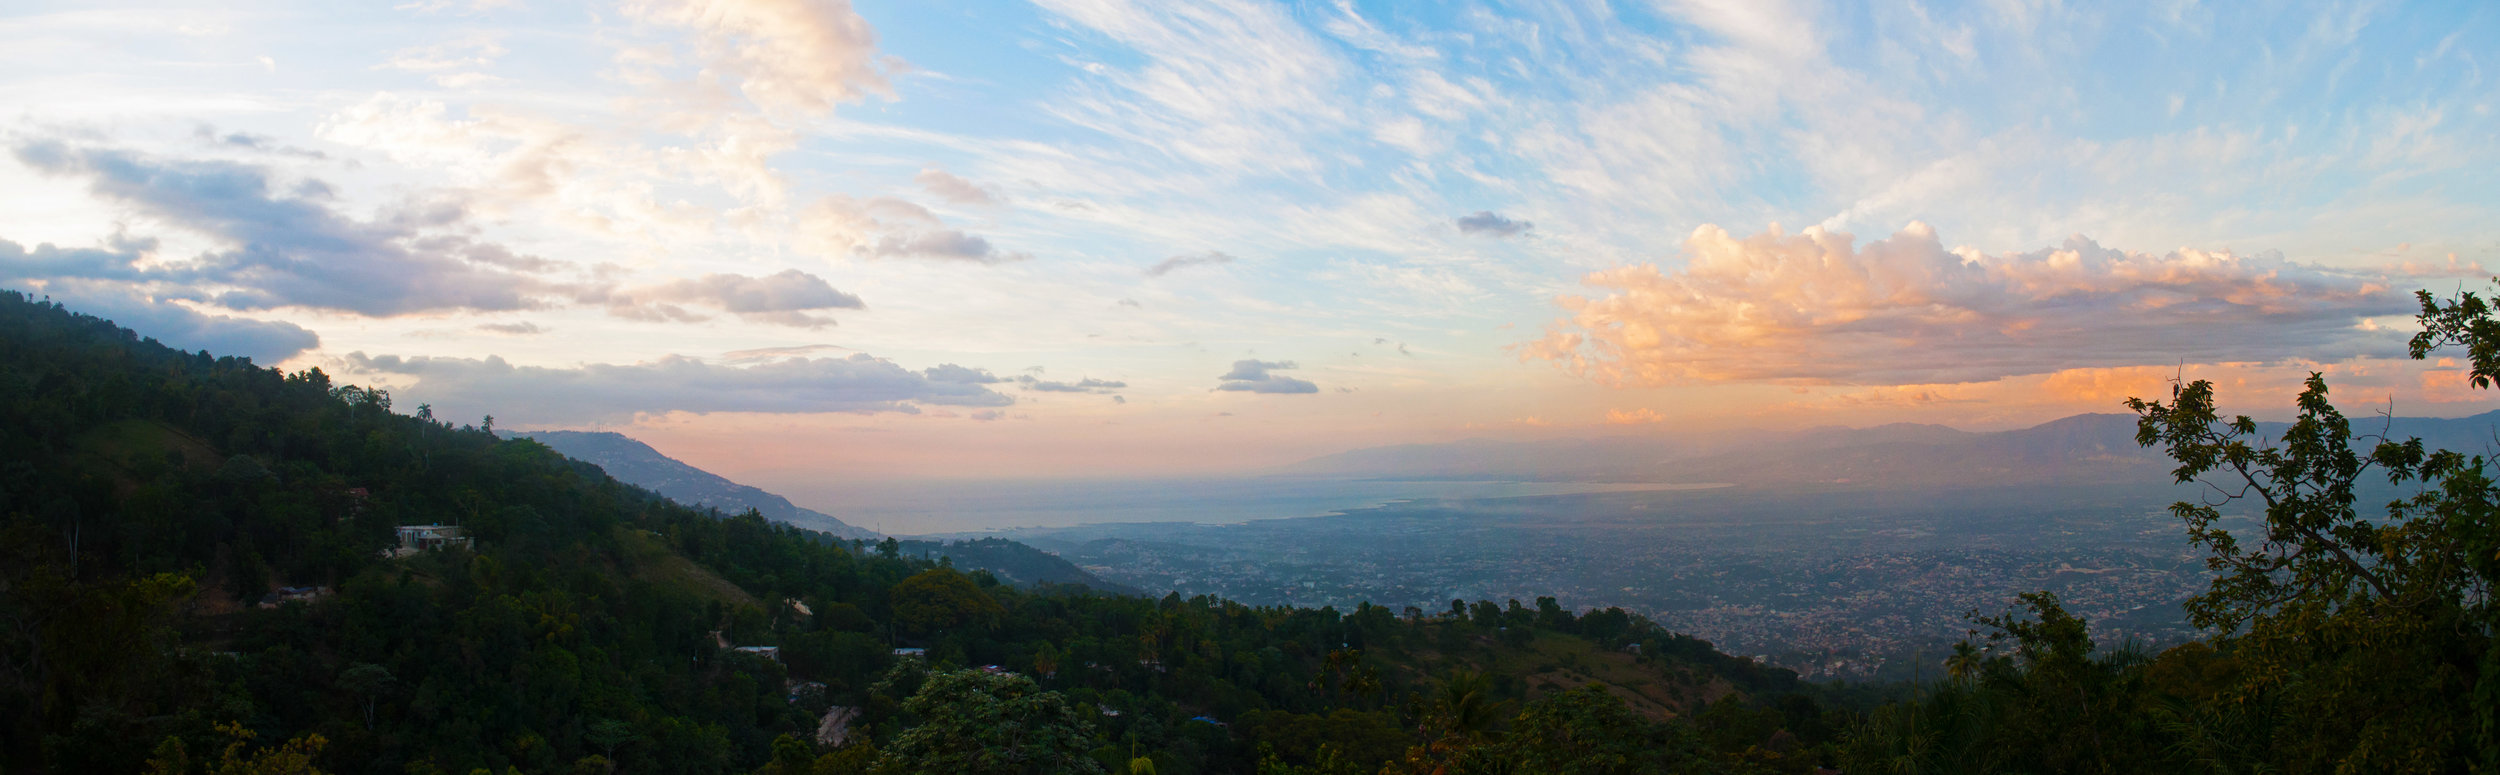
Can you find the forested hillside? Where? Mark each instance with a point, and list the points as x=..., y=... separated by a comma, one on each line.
x=637, y=463
x=198, y=576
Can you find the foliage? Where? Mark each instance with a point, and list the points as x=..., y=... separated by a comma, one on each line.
x=977, y=723
x=2342, y=637
x=153, y=503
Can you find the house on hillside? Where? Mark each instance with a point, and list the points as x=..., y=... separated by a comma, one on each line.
x=418, y=538
x=286, y=595
x=768, y=652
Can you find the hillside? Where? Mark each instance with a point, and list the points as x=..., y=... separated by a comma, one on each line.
x=197, y=575
x=636, y=463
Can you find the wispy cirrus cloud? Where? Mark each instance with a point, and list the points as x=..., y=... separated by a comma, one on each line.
x=954, y=188
x=1167, y=266
x=1085, y=385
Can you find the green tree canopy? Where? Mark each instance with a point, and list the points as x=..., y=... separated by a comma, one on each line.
x=976, y=723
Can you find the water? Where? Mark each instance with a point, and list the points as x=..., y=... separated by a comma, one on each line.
x=931, y=507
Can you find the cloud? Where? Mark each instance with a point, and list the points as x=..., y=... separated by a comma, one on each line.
x=523, y=328
x=776, y=353
x=1209, y=258
x=1252, y=376
x=1640, y=416
x=955, y=189
x=1815, y=308
x=801, y=56
x=1489, y=224
x=252, y=142
x=615, y=392
x=1230, y=86
x=1086, y=385
x=469, y=52
x=294, y=251
x=886, y=227
x=782, y=298
x=948, y=372
x=180, y=327
x=949, y=244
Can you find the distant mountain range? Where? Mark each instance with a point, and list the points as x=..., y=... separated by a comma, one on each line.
x=2082, y=449
x=636, y=463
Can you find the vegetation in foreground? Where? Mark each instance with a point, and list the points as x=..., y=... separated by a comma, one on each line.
x=196, y=580
x=195, y=558
x=2343, y=637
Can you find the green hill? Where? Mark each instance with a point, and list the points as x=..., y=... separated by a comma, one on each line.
x=197, y=572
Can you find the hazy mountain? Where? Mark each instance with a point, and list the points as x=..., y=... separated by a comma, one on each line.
x=636, y=463
x=2085, y=448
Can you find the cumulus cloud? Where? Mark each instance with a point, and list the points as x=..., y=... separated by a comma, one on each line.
x=886, y=227
x=295, y=251
x=955, y=189
x=614, y=392
x=1254, y=376
x=1086, y=385
x=1486, y=223
x=803, y=56
x=1209, y=258
x=941, y=244
x=180, y=327
x=1814, y=307
x=783, y=298
x=966, y=375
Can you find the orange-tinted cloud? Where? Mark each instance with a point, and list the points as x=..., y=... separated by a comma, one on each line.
x=1816, y=308
x=1641, y=416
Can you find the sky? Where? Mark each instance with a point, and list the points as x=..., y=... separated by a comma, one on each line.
x=799, y=242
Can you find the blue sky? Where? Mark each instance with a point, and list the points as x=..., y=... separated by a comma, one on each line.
x=803, y=239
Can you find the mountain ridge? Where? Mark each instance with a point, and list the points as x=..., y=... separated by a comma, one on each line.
x=634, y=462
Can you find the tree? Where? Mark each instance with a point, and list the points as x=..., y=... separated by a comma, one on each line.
x=2373, y=633
x=941, y=599
x=1586, y=731
x=368, y=681
x=974, y=722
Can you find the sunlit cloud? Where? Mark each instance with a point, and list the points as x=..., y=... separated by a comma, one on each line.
x=798, y=56
x=1639, y=416
x=1815, y=307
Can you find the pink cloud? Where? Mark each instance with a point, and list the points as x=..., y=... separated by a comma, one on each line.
x=1816, y=308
